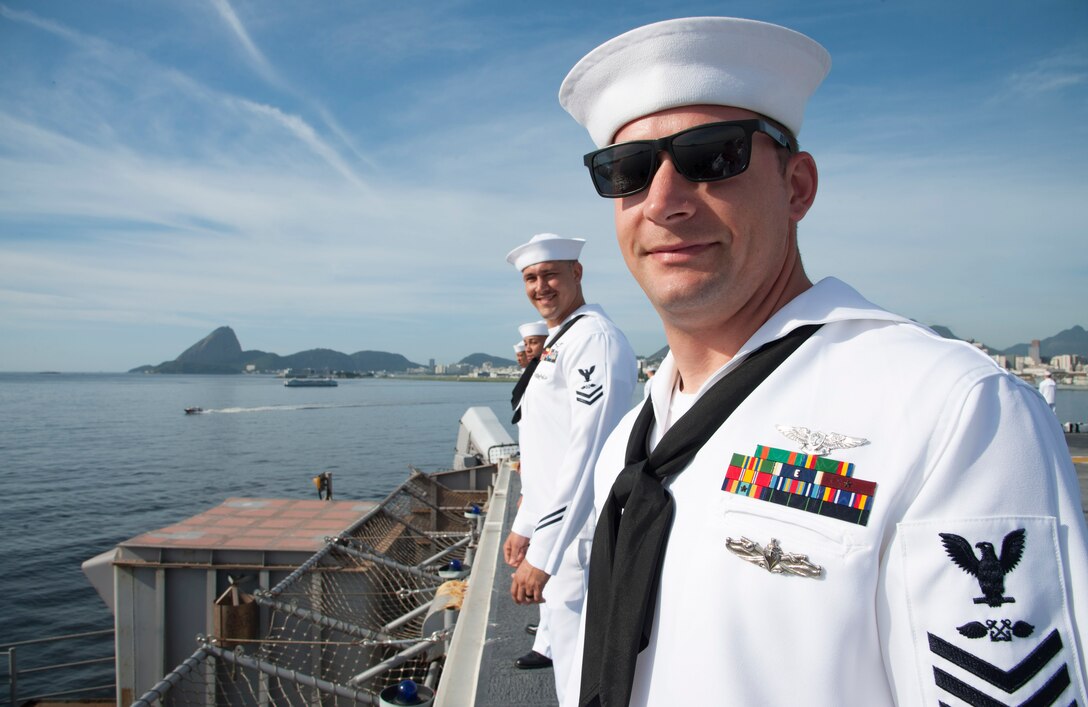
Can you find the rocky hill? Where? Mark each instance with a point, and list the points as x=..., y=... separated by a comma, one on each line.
x=477, y=360
x=220, y=352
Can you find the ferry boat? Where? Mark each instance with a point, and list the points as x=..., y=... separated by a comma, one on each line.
x=310, y=383
x=349, y=603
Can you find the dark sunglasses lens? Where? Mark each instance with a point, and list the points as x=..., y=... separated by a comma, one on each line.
x=711, y=153
x=622, y=169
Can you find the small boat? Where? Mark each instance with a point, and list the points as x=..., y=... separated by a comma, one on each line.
x=193, y=411
x=310, y=383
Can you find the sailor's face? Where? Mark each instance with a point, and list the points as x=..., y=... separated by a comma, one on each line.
x=710, y=248
x=554, y=288
x=534, y=345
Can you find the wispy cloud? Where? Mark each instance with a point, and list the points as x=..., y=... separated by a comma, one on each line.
x=308, y=136
x=252, y=53
x=296, y=124
x=1057, y=72
x=356, y=174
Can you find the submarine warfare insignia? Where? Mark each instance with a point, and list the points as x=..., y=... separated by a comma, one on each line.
x=772, y=559
x=989, y=569
x=589, y=392
x=820, y=443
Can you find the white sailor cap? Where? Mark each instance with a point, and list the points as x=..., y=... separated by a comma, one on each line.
x=519, y=347
x=533, y=329
x=544, y=247
x=761, y=67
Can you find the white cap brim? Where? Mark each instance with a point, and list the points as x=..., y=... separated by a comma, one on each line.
x=543, y=248
x=761, y=67
x=533, y=329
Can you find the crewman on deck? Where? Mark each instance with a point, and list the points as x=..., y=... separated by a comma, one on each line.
x=887, y=518
x=323, y=482
x=520, y=355
x=574, y=395
x=1049, y=390
x=533, y=336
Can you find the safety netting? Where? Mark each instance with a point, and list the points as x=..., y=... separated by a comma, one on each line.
x=373, y=608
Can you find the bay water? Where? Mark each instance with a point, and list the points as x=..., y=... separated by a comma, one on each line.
x=90, y=460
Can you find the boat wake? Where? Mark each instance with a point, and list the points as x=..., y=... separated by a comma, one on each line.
x=291, y=408
x=279, y=408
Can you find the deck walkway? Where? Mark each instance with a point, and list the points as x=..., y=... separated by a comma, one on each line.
x=501, y=684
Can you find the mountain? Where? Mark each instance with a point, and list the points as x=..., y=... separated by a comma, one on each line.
x=944, y=331
x=221, y=346
x=220, y=352
x=658, y=356
x=1070, y=341
x=477, y=360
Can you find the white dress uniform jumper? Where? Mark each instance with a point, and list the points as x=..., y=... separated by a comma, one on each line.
x=582, y=387
x=889, y=518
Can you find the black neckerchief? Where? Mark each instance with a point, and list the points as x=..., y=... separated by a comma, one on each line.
x=527, y=374
x=629, y=542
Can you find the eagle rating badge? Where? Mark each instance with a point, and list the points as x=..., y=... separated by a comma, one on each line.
x=589, y=392
x=990, y=630
x=987, y=568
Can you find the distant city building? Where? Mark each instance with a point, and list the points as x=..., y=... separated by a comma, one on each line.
x=1065, y=362
x=1034, y=351
x=1022, y=362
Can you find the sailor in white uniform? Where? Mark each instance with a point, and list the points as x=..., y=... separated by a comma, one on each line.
x=1049, y=390
x=534, y=335
x=581, y=387
x=821, y=503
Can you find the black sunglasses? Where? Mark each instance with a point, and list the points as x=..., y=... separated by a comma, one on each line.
x=705, y=153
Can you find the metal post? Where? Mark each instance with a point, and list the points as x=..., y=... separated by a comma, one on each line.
x=172, y=679
x=401, y=620
x=448, y=621
x=13, y=679
x=318, y=618
x=292, y=675
x=398, y=659
x=386, y=562
x=439, y=555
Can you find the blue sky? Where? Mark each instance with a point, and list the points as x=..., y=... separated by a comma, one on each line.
x=351, y=175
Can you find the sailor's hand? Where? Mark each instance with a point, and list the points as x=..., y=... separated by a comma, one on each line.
x=528, y=584
x=513, y=550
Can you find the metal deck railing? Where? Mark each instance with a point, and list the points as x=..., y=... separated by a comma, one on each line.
x=15, y=671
